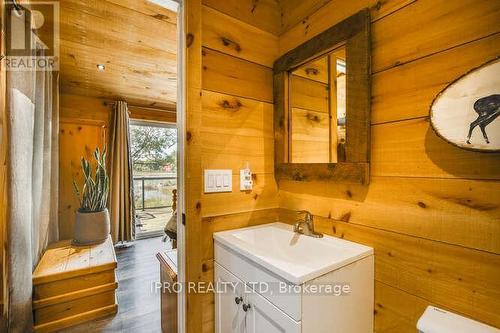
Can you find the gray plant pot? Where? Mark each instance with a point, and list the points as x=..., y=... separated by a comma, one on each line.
x=91, y=228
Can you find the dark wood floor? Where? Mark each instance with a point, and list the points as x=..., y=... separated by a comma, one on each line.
x=138, y=305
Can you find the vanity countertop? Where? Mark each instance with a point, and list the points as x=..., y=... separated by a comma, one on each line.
x=296, y=258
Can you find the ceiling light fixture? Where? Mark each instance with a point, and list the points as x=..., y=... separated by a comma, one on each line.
x=101, y=67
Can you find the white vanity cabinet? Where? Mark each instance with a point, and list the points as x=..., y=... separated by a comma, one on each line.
x=271, y=283
x=245, y=311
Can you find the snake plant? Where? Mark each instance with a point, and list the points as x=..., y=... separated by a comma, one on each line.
x=93, y=196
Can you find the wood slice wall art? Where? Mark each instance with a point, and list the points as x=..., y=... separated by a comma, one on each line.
x=466, y=113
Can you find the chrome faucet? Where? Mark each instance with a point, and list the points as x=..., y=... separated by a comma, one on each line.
x=305, y=225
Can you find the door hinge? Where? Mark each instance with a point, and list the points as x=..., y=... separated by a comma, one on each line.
x=183, y=219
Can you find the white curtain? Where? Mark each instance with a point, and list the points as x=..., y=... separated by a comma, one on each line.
x=45, y=163
x=32, y=111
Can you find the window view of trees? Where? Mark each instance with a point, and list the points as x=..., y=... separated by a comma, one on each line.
x=153, y=150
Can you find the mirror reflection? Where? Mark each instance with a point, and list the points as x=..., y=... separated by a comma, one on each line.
x=317, y=110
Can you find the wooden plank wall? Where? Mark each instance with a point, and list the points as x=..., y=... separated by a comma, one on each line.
x=431, y=211
x=84, y=123
x=83, y=127
x=236, y=105
x=192, y=166
x=229, y=123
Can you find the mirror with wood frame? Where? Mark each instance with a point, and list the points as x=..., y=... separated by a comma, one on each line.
x=322, y=105
x=316, y=109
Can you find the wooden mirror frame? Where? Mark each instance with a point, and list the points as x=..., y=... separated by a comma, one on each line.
x=354, y=33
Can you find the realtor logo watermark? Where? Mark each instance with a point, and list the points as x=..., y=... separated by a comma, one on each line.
x=32, y=41
x=264, y=288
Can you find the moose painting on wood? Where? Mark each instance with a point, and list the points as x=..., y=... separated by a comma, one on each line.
x=466, y=112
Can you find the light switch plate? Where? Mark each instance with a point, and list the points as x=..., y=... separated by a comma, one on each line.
x=217, y=181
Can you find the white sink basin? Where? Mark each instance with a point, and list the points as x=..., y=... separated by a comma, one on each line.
x=296, y=258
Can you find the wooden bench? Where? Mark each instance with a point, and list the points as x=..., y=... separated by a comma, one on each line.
x=74, y=284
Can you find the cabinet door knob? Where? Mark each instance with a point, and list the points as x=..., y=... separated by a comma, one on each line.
x=238, y=300
x=246, y=307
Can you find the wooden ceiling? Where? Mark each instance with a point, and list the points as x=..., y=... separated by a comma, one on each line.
x=134, y=39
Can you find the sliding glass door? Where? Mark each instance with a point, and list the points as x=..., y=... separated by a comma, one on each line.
x=154, y=163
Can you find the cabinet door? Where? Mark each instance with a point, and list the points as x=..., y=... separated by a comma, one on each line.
x=263, y=316
x=228, y=302
x=254, y=314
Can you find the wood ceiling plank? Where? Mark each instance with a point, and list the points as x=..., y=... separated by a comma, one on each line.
x=74, y=54
x=142, y=68
x=133, y=99
x=148, y=8
x=109, y=44
x=127, y=88
x=136, y=40
x=118, y=23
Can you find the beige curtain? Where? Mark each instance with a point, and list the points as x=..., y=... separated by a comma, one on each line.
x=32, y=122
x=121, y=206
x=45, y=164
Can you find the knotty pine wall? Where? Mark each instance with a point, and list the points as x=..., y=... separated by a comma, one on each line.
x=431, y=211
x=84, y=125
x=236, y=122
x=233, y=45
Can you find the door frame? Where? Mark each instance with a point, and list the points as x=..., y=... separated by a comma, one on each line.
x=181, y=140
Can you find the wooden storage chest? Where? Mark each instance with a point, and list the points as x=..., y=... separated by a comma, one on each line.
x=74, y=284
